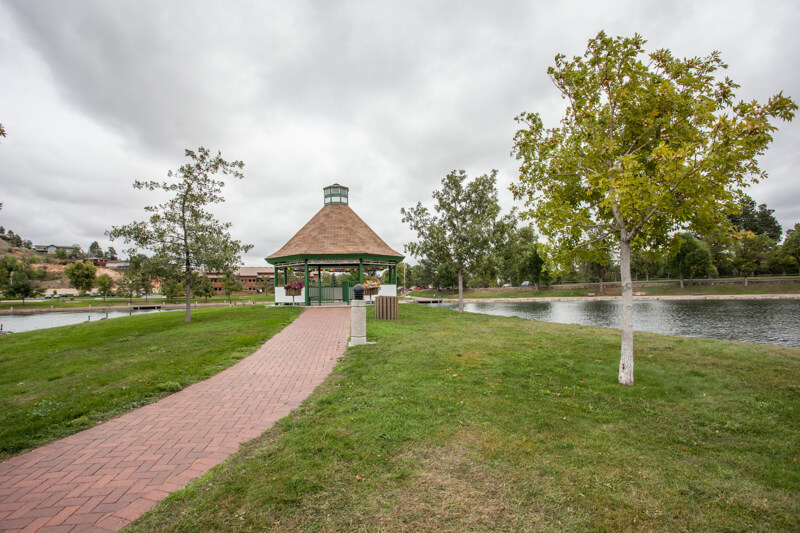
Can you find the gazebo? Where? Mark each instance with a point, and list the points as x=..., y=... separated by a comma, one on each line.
x=334, y=240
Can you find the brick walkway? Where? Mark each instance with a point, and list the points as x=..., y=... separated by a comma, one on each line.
x=103, y=478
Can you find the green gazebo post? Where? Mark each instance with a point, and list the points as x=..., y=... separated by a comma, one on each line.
x=306, y=290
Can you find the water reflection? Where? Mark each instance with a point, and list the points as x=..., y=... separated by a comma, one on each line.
x=762, y=321
x=20, y=323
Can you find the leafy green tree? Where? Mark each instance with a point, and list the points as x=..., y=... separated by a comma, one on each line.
x=203, y=286
x=531, y=266
x=721, y=246
x=386, y=277
x=756, y=220
x=421, y=275
x=752, y=254
x=143, y=272
x=267, y=285
x=61, y=254
x=5, y=277
x=460, y=233
x=8, y=265
x=598, y=269
x=105, y=285
x=14, y=239
x=498, y=261
x=111, y=253
x=76, y=252
x=791, y=246
x=446, y=276
x=81, y=275
x=692, y=258
x=646, y=263
x=171, y=287
x=95, y=250
x=182, y=230
x=128, y=285
x=230, y=284
x=780, y=262
x=20, y=286
x=645, y=148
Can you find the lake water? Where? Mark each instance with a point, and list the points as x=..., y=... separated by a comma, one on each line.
x=20, y=323
x=762, y=321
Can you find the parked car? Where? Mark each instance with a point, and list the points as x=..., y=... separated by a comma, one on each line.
x=505, y=285
x=526, y=284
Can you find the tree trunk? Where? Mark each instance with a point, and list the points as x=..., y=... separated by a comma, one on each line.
x=188, y=291
x=745, y=281
x=460, y=290
x=626, y=355
x=601, y=284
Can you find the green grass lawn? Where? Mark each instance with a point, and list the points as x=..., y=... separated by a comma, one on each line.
x=85, y=301
x=482, y=423
x=58, y=381
x=614, y=290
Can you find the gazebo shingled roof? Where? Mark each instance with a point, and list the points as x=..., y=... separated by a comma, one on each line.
x=335, y=230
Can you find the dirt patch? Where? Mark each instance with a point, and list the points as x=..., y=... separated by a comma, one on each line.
x=454, y=490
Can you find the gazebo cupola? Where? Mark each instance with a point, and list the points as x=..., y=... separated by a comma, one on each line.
x=335, y=240
x=336, y=194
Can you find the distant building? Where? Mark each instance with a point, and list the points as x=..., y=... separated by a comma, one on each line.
x=116, y=264
x=50, y=248
x=252, y=279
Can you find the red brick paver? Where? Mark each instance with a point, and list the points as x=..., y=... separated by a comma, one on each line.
x=103, y=478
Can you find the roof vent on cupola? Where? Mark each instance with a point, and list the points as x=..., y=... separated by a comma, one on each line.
x=336, y=194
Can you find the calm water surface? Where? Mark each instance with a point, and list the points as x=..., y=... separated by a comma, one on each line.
x=20, y=323
x=762, y=321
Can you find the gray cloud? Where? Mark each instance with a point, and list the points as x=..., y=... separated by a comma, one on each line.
x=384, y=97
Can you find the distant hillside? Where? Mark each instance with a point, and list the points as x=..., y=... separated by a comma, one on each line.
x=56, y=280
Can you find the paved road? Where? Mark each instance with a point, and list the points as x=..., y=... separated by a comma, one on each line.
x=103, y=478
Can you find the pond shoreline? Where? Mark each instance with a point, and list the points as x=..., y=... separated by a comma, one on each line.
x=115, y=308
x=618, y=298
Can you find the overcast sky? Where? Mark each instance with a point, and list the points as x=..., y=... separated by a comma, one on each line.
x=384, y=97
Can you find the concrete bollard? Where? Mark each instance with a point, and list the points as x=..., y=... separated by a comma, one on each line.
x=358, y=322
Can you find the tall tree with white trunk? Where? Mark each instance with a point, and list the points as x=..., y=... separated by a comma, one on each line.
x=649, y=145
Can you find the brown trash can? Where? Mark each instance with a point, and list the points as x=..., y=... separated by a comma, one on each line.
x=386, y=308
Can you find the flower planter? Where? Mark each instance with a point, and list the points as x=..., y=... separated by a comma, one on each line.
x=293, y=292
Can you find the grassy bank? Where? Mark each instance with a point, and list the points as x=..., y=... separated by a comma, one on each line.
x=58, y=381
x=474, y=422
x=614, y=290
x=85, y=301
